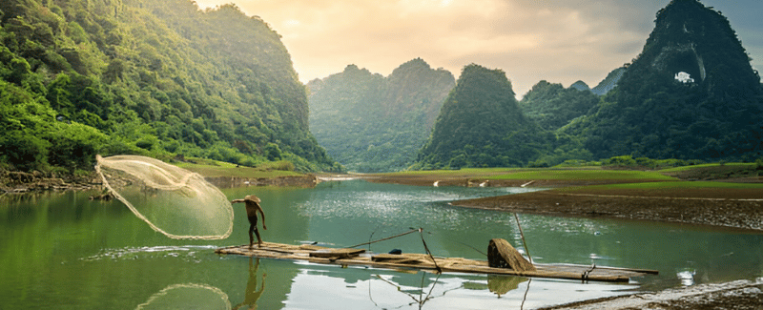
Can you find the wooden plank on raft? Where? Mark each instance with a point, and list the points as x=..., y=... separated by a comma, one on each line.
x=395, y=258
x=424, y=262
x=336, y=253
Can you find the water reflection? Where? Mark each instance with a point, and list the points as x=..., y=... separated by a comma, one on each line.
x=328, y=287
x=187, y=296
x=417, y=295
x=252, y=295
x=500, y=285
x=686, y=276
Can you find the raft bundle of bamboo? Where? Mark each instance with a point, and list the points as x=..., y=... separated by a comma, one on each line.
x=425, y=262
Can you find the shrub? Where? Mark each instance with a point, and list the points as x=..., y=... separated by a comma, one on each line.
x=623, y=161
x=25, y=152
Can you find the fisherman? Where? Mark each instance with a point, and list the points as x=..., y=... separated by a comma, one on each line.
x=252, y=203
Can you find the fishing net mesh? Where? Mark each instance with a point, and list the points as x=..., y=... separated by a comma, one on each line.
x=188, y=296
x=173, y=201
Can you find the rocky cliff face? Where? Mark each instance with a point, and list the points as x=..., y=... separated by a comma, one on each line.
x=695, y=45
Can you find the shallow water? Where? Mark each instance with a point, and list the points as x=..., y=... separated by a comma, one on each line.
x=64, y=251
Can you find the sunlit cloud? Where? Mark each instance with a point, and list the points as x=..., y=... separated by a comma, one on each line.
x=561, y=41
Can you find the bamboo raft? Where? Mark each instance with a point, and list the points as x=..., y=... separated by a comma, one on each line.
x=425, y=262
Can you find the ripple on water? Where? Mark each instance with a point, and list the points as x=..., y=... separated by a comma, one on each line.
x=132, y=253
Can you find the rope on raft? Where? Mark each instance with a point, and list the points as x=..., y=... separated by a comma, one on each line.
x=375, y=241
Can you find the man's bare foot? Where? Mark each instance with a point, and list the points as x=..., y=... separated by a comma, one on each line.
x=251, y=246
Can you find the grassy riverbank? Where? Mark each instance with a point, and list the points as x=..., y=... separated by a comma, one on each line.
x=537, y=177
x=227, y=175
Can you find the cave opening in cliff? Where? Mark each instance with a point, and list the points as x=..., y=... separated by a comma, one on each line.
x=685, y=67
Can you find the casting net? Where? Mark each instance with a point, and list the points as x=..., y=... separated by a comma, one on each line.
x=173, y=201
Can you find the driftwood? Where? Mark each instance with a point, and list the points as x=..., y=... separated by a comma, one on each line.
x=500, y=254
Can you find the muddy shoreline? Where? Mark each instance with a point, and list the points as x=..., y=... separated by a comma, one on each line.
x=735, y=295
x=740, y=213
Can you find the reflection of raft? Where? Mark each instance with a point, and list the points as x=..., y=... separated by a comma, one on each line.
x=359, y=257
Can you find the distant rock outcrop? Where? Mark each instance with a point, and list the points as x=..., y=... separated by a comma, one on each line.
x=581, y=86
x=609, y=82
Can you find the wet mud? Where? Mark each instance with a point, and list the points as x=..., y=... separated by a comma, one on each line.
x=741, y=211
x=736, y=295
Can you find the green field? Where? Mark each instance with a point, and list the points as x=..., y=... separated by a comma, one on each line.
x=453, y=173
x=584, y=175
x=686, y=168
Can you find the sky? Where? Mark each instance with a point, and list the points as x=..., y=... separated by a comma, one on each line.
x=560, y=41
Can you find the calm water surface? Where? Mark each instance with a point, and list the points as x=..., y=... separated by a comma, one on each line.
x=63, y=251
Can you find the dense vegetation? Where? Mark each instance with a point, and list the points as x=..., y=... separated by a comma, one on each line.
x=371, y=123
x=481, y=125
x=157, y=78
x=552, y=106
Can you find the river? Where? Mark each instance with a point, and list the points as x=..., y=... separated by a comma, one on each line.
x=64, y=251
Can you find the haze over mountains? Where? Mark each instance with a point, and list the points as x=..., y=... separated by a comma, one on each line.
x=372, y=123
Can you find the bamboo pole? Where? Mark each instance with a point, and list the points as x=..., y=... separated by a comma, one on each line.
x=400, y=235
x=527, y=250
x=646, y=271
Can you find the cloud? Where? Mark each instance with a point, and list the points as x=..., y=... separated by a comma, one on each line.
x=561, y=41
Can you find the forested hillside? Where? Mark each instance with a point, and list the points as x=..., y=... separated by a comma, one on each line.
x=690, y=94
x=158, y=78
x=480, y=125
x=371, y=123
x=552, y=106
